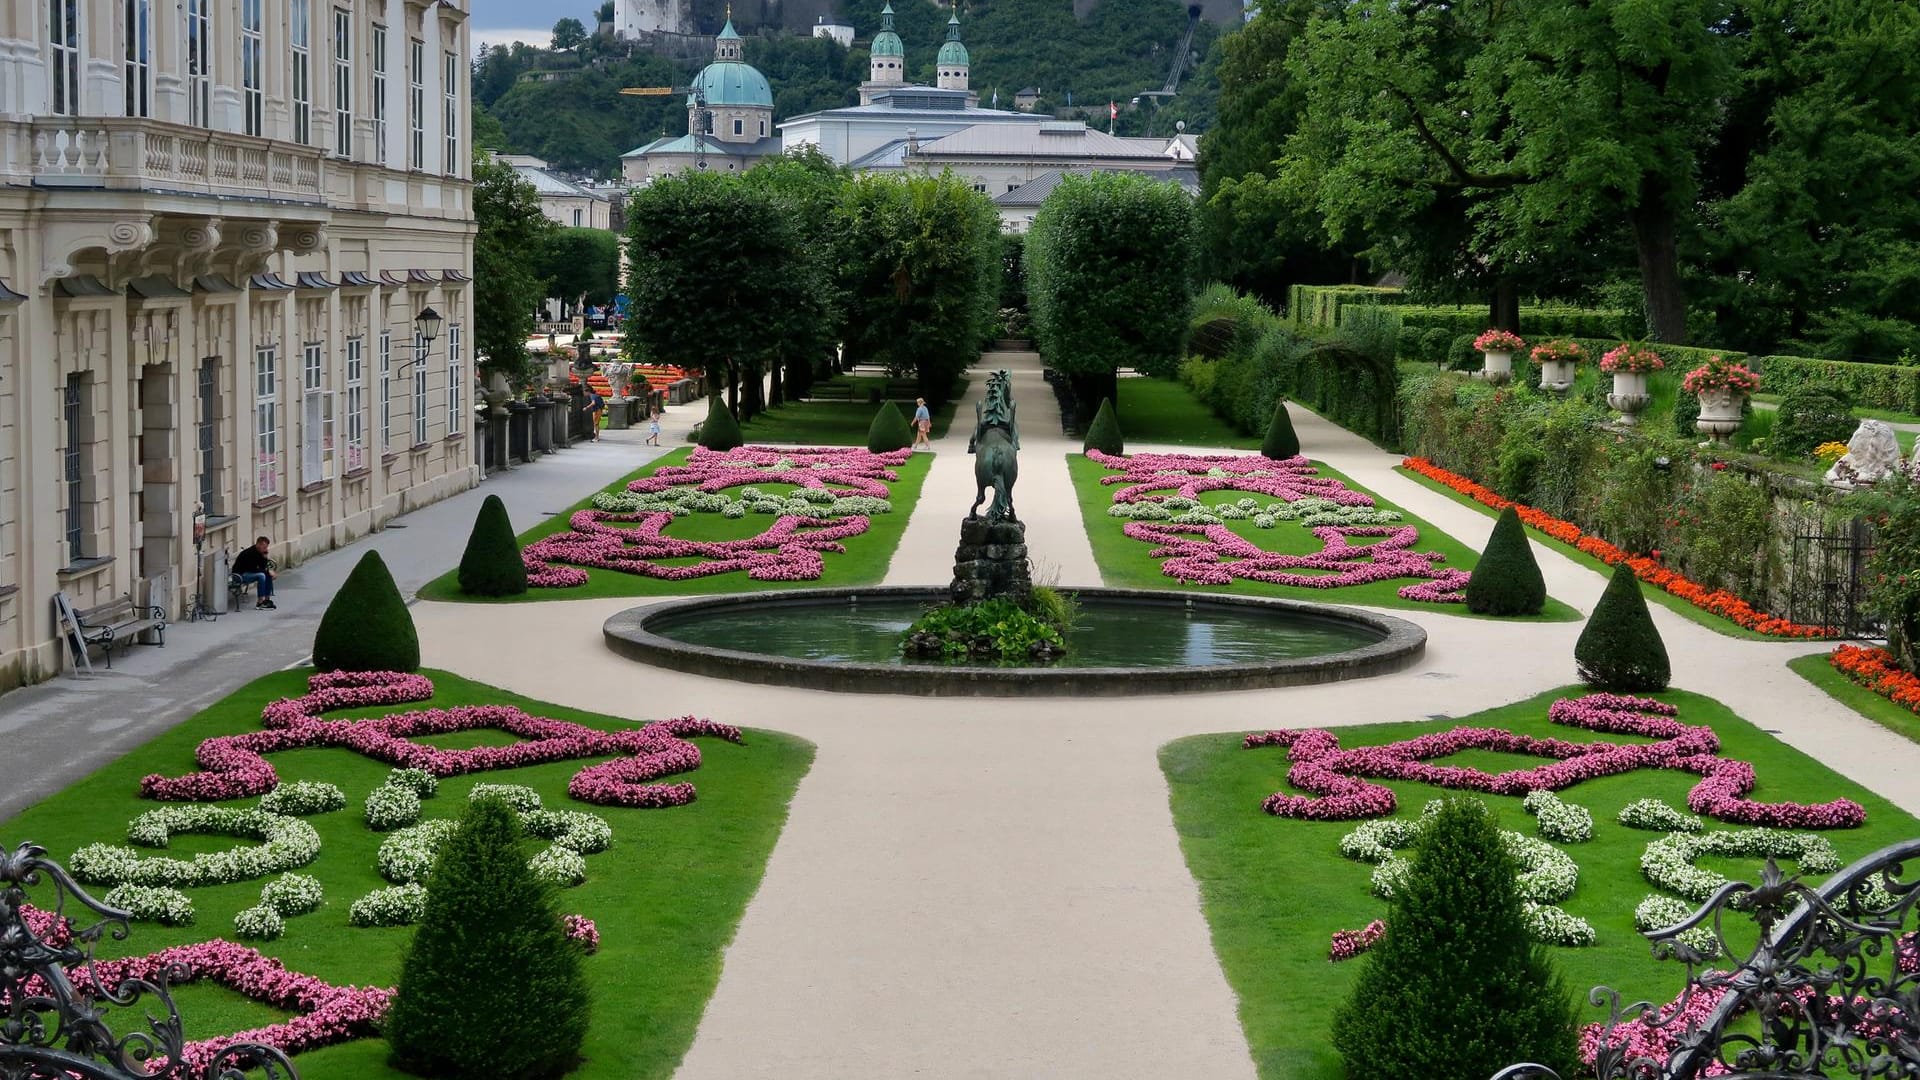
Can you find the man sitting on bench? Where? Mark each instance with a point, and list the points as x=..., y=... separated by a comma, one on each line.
x=253, y=567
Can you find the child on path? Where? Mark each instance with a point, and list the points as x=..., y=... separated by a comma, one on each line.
x=653, y=428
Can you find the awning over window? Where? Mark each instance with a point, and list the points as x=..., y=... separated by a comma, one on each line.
x=270, y=283
x=156, y=288
x=8, y=296
x=309, y=279
x=213, y=283
x=82, y=285
x=354, y=279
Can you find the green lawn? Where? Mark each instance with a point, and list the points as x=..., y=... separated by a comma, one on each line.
x=667, y=895
x=1817, y=670
x=836, y=423
x=1275, y=889
x=1659, y=596
x=1126, y=563
x=1154, y=410
x=864, y=563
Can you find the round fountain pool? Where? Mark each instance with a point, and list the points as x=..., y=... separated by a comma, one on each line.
x=1125, y=642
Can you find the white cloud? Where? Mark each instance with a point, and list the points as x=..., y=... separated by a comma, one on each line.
x=509, y=35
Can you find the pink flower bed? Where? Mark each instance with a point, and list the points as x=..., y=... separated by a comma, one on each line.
x=1347, y=944
x=328, y=1014
x=582, y=930
x=791, y=549
x=1339, y=779
x=234, y=766
x=1216, y=555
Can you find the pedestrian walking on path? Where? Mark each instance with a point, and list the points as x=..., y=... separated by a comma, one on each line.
x=922, y=424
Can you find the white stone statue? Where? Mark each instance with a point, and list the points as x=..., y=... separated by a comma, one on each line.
x=1872, y=453
x=617, y=374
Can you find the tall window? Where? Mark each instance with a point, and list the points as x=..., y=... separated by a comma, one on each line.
x=136, y=73
x=576, y=219
x=316, y=428
x=199, y=63
x=252, y=85
x=417, y=103
x=266, y=422
x=356, y=406
x=419, y=389
x=379, y=62
x=343, y=82
x=450, y=112
x=300, y=21
x=207, y=435
x=454, y=425
x=63, y=40
x=73, y=430
x=386, y=389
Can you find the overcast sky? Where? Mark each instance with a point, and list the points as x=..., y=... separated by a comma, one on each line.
x=498, y=22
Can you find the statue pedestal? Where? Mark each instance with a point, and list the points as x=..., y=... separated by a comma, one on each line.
x=990, y=562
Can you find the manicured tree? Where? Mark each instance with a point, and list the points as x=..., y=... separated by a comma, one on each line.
x=719, y=431
x=491, y=565
x=491, y=986
x=1281, y=443
x=1506, y=580
x=1104, y=433
x=1457, y=988
x=367, y=627
x=1619, y=649
x=889, y=430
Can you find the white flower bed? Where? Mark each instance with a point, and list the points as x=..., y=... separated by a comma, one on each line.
x=1656, y=816
x=1668, y=861
x=1561, y=821
x=149, y=903
x=1554, y=926
x=523, y=799
x=396, y=803
x=1547, y=874
x=683, y=501
x=1658, y=911
x=559, y=867
x=401, y=905
x=574, y=830
x=423, y=783
x=1375, y=841
x=259, y=923
x=288, y=842
x=407, y=856
x=303, y=798
x=293, y=894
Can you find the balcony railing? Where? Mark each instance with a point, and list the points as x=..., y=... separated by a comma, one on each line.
x=147, y=155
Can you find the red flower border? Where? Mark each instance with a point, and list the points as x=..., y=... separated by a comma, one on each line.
x=1714, y=601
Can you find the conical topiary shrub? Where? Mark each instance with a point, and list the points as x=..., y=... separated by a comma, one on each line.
x=1104, y=433
x=889, y=430
x=1506, y=580
x=367, y=627
x=719, y=431
x=1281, y=443
x=492, y=565
x=1620, y=649
x=491, y=985
x=1457, y=988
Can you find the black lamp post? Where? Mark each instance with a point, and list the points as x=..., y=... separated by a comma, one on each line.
x=426, y=327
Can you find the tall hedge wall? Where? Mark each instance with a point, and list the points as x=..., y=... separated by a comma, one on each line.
x=1874, y=386
x=1320, y=305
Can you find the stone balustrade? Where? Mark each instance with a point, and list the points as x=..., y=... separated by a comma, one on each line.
x=135, y=154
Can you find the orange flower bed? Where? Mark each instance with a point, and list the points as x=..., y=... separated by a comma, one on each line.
x=1718, y=601
x=1876, y=670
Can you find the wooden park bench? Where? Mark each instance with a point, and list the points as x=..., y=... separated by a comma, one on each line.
x=830, y=391
x=120, y=619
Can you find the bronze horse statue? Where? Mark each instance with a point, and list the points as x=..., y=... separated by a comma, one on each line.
x=995, y=446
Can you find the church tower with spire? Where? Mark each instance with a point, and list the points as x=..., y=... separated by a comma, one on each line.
x=952, y=61
x=888, y=67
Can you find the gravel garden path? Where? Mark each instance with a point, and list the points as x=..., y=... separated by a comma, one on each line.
x=994, y=888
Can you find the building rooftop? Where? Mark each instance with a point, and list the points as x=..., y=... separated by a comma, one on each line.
x=1037, y=142
x=1035, y=191
x=696, y=144
x=534, y=171
x=913, y=102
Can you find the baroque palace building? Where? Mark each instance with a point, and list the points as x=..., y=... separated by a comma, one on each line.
x=236, y=239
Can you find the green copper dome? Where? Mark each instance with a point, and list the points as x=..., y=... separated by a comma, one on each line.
x=886, y=42
x=730, y=82
x=727, y=32
x=952, y=52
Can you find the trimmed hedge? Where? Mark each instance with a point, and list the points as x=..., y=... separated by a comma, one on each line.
x=1506, y=580
x=889, y=430
x=367, y=626
x=491, y=565
x=1807, y=418
x=1895, y=387
x=1538, y=321
x=1620, y=648
x=1320, y=305
x=1281, y=442
x=719, y=431
x=1104, y=433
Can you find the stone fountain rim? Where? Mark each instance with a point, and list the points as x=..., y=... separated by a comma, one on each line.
x=627, y=634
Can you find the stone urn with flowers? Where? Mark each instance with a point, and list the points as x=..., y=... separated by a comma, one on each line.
x=1558, y=359
x=1497, y=347
x=1723, y=387
x=1630, y=364
x=617, y=373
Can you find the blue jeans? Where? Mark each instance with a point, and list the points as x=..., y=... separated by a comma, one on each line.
x=264, y=581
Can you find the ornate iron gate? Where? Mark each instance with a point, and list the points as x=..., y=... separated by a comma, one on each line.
x=1826, y=582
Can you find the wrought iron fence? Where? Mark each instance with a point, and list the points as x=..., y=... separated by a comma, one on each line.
x=1830, y=987
x=54, y=1008
x=1826, y=582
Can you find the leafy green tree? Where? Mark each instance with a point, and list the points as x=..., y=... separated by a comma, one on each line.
x=1507, y=580
x=506, y=288
x=809, y=187
x=488, y=134
x=366, y=626
x=717, y=279
x=491, y=564
x=920, y=269
x=1457, y=988
x=580, y=262
x=568, y=35
x=1620, y=648
x=1110, y=269
x=491, y=986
